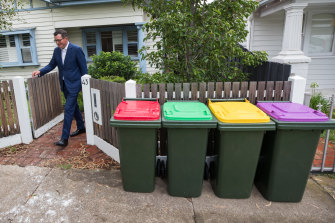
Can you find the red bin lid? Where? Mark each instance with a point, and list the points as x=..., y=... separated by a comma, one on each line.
x=137, y=111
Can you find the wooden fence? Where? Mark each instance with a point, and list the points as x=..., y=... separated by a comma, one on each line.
x=111, y=95
x=45, y=99
x=253, y=91
x=270, y=71
x=8, y=110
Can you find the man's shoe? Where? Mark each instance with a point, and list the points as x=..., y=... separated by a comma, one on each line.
x=77, y=132
x=61, y=142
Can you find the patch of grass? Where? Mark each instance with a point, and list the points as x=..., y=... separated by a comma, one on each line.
x=65, y=166
x=330, y=175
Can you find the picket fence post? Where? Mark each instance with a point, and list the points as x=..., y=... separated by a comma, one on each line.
x=22, y=110
x=86, y=88
x=130, y=88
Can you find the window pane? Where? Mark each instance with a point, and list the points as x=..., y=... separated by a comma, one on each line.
x=91, y=50
x=132, y=35
x=8, y=50
x=3, y=42
x=25, y=38
x=90, y=38
x=26, y=55
x=322, y=33
x=107, y=41
x=132, y=50
x=12, y=41
x=117, y=41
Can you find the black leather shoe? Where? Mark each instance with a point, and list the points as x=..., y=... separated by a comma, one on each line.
x=77, y=132
x=61, y=142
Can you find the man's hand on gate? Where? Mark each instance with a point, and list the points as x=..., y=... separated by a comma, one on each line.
x=36, y=73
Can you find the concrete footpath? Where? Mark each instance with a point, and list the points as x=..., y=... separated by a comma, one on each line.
x=38, y=194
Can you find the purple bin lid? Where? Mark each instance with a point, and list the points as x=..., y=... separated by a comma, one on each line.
x=292, y=112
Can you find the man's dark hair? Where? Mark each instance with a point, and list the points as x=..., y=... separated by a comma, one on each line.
x=62, y=32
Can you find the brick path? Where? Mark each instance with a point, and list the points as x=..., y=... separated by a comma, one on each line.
x=43, y=152
x=329, y=162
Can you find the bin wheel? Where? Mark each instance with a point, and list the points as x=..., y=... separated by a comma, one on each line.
x=162, y=170
x=158, y=168
x=206, y=172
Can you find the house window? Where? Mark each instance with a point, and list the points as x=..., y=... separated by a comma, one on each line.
x=17, y=48
x=121, y=39
x=322, y=34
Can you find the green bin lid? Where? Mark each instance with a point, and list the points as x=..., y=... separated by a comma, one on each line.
x=186, y=111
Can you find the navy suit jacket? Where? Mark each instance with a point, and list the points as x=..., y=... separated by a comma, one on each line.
x=73, y=68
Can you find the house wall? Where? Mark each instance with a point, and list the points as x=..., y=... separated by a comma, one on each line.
x=322, y=71
x=267, y=34
x=322, y=68
x=71, y=18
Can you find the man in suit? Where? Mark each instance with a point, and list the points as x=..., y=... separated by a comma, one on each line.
x=71, y=63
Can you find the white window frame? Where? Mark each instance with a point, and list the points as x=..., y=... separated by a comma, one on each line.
x=308, y=30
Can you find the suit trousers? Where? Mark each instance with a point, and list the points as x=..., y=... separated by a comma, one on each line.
x=71, y=110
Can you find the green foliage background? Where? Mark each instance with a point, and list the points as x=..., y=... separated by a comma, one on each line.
x=196, y=41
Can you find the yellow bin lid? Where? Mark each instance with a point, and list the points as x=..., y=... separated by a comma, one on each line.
x=238, y=112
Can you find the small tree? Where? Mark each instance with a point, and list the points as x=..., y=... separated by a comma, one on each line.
x=197, y=41
x=8, y=12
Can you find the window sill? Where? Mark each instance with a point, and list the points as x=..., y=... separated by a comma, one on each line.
x=19, y=65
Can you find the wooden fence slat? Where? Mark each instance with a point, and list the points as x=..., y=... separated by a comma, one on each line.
x=32, y=101
x=287, y=90
x=154, y=90
x=115, y=97
x=278, y=91
x=186, y=91
x=244, y=89
x=138, y=90
x=39, y=95
x=202, y=92
x=161, y=93
x=45, y=114
x=17, y=130
x=236, y=89
x=260, y=90
x=252, y=92
x=8, y=107
x=50, y=97
x=103, y=103
x=58, y=93
x=210, y=91
x=227, y=88
x=218, y=90
x=111, y=110
x=177, y=91
x=269, y=90
x=169, y=91
x=146, y=90
x=194, y=91
x=3, y=113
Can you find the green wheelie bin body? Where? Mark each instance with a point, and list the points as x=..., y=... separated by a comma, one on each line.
x=238, y=140
x=287, y=154
x=187, y=124
x=137, y=123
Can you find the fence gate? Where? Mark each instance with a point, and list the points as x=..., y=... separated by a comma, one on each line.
x=8, y=110
x=45, y=103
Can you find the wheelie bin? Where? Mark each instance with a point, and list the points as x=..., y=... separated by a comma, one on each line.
x=187, y=125
x=137, y=122
x=287, y=153
x=238, y=140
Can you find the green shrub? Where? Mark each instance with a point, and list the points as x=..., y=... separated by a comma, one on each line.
x=319, y=99
x=114, y=79
x=146, y=78
x=112, y=64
